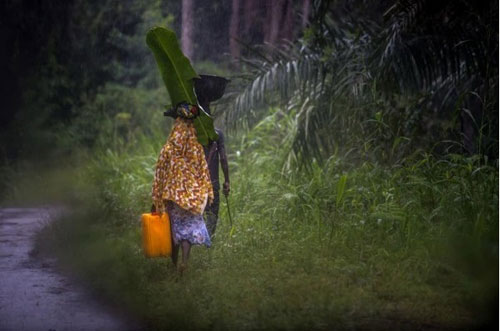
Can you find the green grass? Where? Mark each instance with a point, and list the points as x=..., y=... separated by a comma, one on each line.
x=344, y=245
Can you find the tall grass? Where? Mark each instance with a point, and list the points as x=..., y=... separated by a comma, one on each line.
x=348, y=244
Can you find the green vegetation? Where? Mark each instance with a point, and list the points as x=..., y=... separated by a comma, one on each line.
x=178, y=75
x=343, y=245
x=363, y=156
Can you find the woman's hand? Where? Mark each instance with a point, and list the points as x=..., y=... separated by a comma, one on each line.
x=226, y=188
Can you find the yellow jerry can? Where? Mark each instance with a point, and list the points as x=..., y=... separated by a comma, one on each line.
x=156, y=238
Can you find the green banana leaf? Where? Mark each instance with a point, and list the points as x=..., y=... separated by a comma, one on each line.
x=178, y=75
x=204, y=125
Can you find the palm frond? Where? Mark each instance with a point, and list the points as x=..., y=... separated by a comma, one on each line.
x=439, y=51
x=276, y=81
x=428, y=41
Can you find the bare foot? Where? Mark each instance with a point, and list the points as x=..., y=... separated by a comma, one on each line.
x=182, y=268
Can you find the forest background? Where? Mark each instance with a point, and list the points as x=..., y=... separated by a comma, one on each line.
x=363, y=147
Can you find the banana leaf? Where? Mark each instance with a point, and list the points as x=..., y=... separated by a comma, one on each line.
x=178, y=75
x=204, y=125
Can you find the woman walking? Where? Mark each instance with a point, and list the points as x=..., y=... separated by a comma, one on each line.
x=182, y=186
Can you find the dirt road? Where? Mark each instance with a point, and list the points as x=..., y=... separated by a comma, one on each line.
x=32, y=295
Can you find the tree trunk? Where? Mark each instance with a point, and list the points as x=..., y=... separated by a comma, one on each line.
x=187, y=29
x=234, y=26
x=287, y=29
x=266, y=26
x=276, y=14
x=250, y=18
x=306, y=9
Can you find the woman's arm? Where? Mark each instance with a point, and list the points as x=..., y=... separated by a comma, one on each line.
x=223, y=161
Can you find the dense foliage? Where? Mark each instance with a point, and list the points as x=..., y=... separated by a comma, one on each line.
x=363, y=156
x=425, y=73
x=343, y=246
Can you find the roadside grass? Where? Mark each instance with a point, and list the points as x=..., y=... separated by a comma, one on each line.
x=42, y=184
x=341, y=246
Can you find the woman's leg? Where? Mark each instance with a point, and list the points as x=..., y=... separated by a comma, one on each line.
x=186, y=248
x=175, y=253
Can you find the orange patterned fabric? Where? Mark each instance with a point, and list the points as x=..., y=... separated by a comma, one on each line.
x=181, y=173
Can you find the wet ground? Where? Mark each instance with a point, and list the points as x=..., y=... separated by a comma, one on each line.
x=33, y=296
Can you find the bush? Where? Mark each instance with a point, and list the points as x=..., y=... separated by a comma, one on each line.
x=344, y=245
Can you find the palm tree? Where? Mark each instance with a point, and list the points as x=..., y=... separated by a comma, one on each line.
x=360, y=58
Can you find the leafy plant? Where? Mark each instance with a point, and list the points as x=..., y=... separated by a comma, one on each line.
x=426, y=68
x=178, y=75
x=334, y=247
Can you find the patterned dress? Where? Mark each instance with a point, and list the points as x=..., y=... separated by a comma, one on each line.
x=183, y=181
